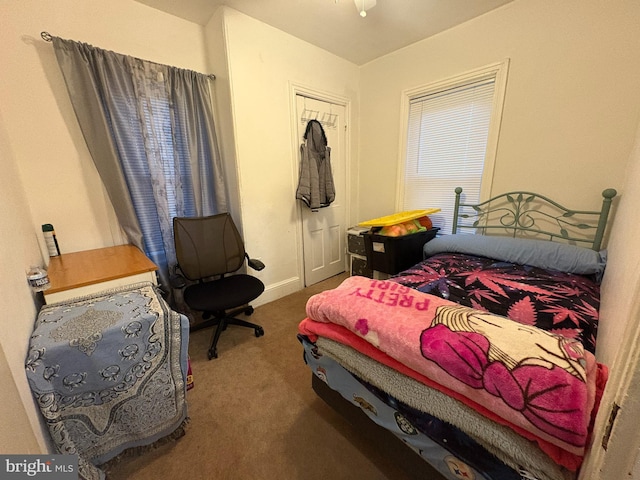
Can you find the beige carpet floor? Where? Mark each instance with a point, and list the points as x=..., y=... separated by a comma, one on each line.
x=253, y=414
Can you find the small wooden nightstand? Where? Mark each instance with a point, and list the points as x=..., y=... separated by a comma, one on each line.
x=83, y=273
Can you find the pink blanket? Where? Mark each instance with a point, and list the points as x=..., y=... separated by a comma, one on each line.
x=541, y=385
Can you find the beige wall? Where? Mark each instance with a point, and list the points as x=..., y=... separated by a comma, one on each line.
x=47, y=174
x=18, y=250
x=571, y=105
x=571, y=112
x=18, y=420
x=570, y=117
x=60, y=180
x=50, y=177
x=619, y=335
x=621, y=284
x=263, y=64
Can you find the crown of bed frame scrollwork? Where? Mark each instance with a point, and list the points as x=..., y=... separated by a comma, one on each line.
x=523, y=213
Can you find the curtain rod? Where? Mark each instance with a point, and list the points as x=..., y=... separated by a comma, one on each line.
x=47, y=37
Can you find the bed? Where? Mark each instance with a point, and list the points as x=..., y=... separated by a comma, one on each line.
x=480, y=358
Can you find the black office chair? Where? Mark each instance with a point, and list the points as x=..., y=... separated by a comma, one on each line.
x=207, y=250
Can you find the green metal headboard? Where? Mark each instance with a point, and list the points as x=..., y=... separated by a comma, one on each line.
x=532, y=215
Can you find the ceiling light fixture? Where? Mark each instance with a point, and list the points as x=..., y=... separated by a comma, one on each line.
x=364, y=5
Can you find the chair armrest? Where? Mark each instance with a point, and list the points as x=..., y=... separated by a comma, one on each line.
x=255, y=263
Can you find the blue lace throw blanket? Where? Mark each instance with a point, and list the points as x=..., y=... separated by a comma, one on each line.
x=108, y=372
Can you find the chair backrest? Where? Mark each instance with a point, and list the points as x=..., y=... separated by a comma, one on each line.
x=207, y=246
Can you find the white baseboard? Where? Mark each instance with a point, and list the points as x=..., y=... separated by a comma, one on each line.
x=278, y=290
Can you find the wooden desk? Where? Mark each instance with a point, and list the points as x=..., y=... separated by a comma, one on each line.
x=83, y=273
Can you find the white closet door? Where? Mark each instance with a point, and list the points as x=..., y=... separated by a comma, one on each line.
x=324, y=231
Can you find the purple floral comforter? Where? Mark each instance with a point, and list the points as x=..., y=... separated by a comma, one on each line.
x=562, y=303
x=541, y=385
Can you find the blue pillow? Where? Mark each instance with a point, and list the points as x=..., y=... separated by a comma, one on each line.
x=524, y=251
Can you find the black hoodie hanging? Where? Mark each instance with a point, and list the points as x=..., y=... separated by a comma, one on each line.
x=315, y=185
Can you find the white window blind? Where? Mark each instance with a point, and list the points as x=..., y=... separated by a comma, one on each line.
x=446, y=145
x=156, y=149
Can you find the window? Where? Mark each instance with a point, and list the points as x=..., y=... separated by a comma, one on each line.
x=156, y=159
x=451, y=139
x=151, y=133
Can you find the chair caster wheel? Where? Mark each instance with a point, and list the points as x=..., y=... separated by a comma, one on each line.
x=248, y=311
x=212, y=354
x=259, y=332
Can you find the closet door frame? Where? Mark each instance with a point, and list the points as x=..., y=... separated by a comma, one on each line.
x=314, y=94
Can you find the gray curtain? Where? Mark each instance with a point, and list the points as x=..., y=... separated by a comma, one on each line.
x=150, y=131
